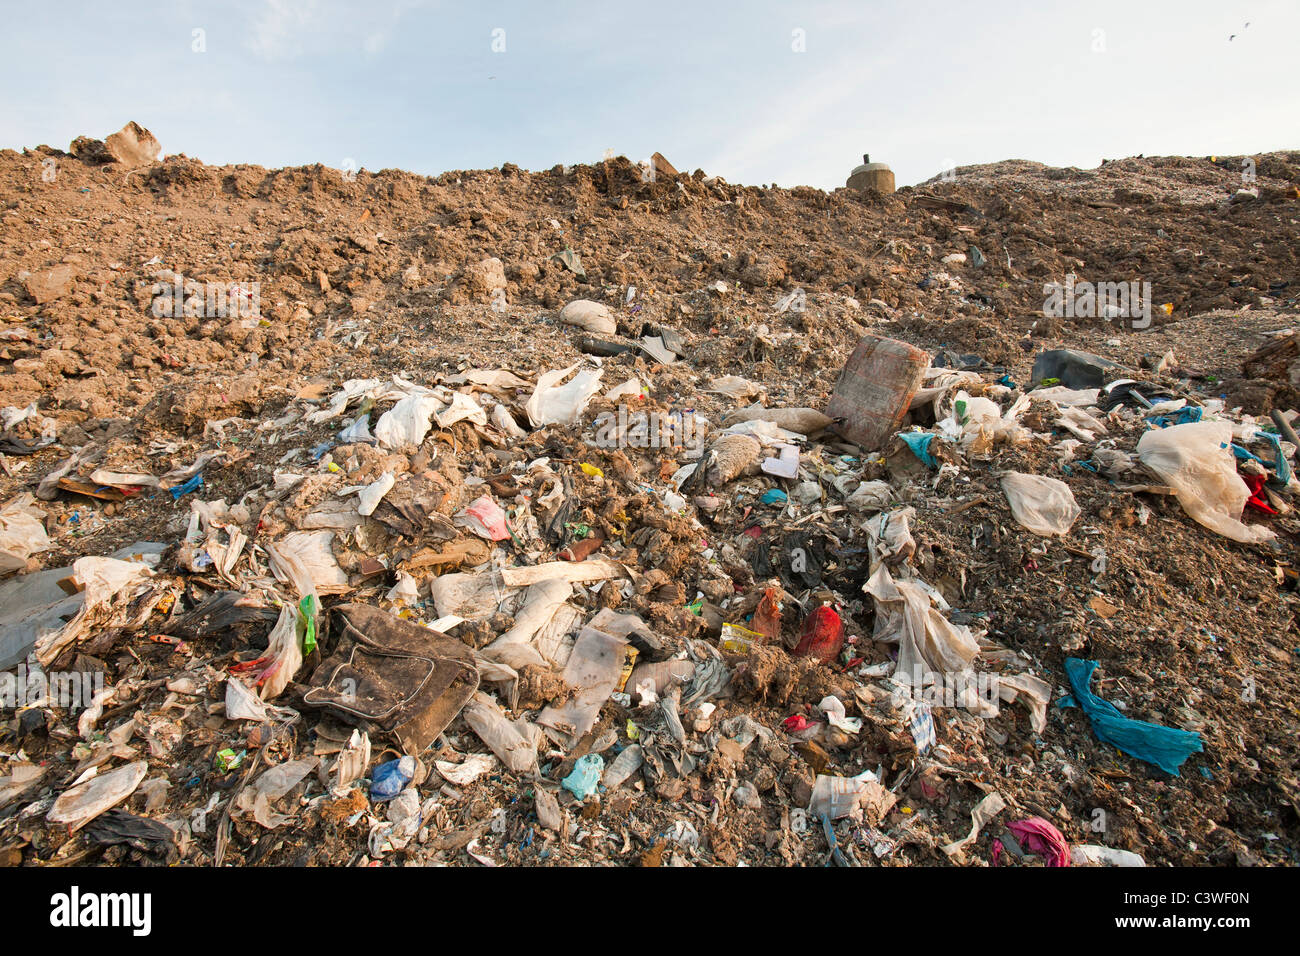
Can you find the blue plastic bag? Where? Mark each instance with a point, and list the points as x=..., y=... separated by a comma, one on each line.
x=1166, y=747
x=391, y=778
x=585, y=776
x=919, y=442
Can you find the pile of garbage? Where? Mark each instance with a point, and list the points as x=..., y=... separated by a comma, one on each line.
x=636, y=606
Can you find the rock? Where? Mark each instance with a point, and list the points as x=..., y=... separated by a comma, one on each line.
x=51, y=284
x=592, y=316
x=133, y=145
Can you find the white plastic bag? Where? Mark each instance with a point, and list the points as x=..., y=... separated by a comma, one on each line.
x=503, y=738
x=283, y=653
x=305, y=559
x=22, y=532
x=404, y=426
x=369, y=496
x=1043, y=505
x=553, y=403
x=1194, y=459
x=81, y=804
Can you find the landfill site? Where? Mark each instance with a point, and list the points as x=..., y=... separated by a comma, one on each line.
x=616, y=514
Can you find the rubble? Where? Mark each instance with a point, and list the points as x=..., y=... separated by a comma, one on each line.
x=588, y=516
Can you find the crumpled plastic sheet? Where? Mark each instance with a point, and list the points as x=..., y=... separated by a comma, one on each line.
x=927, y=641
x=270, y=786
x=1196, y=461
x=711, y=678
x=919, y=442
x=305, y=559
x=106, y=582
x=404, y=425
x=1165, y=747
x=552, y=403
x=1042, y=505
x=22, y=532
x=585, y=777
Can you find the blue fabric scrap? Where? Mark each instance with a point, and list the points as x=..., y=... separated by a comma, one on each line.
x=194, y=484
x=1165, y=747
x=919, y=442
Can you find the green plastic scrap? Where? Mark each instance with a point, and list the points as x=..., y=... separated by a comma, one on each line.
x=228, y=760
x=307, y=623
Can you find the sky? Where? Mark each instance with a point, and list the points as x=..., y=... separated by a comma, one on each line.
x=757, y=92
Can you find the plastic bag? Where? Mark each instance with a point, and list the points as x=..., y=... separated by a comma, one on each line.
x=84, y=802
x=870, y=496
x=838, y=797
x=22, y=532
x=106, y=583
x=485, y=518
x=373, y=493
x=552, y=403
x=823, y=635
x=515, y=646
x=503, y=738
x=283, y=655
x=404, y=426
x=928, y=642
x=622, y=767
x=390, y=778
x=1194, y=459
x=585, y=777
x=305, y=559
x=271, y=786
x=1165, y=747
x=1042, y=505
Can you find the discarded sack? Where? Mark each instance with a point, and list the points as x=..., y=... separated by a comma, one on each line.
x=403, y=678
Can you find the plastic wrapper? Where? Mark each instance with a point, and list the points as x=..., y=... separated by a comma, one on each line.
x=1042, y=505
x=1195, y=460
x=22, y=532
x=502, y=737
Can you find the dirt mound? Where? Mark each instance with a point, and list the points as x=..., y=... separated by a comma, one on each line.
x=201, y=357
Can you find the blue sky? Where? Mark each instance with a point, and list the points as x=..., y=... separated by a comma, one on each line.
x=758, y=92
